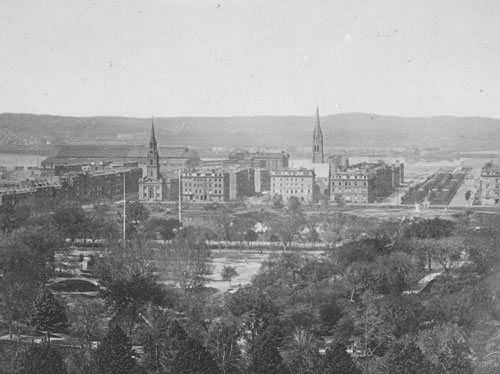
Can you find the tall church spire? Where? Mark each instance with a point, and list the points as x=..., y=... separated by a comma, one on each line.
x=317, y=156
x=152, y=139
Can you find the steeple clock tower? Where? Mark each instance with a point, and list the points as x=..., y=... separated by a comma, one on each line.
x=152, y=186
x=317, y=156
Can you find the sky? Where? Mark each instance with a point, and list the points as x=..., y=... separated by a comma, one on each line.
x=250, y=57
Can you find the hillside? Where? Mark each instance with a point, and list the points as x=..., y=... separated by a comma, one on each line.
x=357, y=130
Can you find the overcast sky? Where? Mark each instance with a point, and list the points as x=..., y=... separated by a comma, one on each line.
x=250, y=57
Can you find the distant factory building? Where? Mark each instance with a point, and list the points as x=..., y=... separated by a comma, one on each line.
x=172, y=158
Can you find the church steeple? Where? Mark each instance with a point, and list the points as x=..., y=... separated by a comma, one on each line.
x=318, y=157
x=153, y=158
x=152, y=140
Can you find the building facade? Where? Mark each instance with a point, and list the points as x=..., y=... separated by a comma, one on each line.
x=105, y=183
x=241, y=183
x=317, y=143
x=293, y=182
x=205, y=186
x=363, y=183
x=262, y=180
x=37, y=191
x=489, y=187
x=152, y=186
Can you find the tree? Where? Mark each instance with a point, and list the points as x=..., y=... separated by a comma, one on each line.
x=293, y=205
x=70, y=220
x=406, y=357
x=265, y=357
x=127, y=297
x=115, y=355
x=302, y=352
x=430, y=229
x=330, y=313
x=338, y=361
x=21, y=277
x=228, y=273
x=136, y=212
x=445, y=251
x=13, y=216
x=188, y=259
x=48, y=313
x=445, y=346
x=287, y=227
x=223, y=336
x=224, y=221
x=43, y=241
x=41, y=359
x=193, y=358
x=87, y=322
x=166, y=228
x=277, y=202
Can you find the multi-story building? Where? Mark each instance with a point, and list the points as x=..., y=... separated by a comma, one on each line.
x=363, y=183
x=241, y=183
x=262, y=180
x=489, y=190
x=293, y=182
x=36, y=191
x=105, y=183
x=259, y=160
x=205, y=186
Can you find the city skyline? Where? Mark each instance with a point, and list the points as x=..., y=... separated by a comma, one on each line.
x=231, y=58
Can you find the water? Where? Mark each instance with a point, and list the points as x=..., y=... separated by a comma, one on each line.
x=11, y=160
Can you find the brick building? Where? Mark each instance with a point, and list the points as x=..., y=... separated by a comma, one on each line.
x=36, y=191
x=101, y=183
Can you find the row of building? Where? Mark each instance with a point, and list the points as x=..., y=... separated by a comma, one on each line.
x=90, y=171
x=93, y=182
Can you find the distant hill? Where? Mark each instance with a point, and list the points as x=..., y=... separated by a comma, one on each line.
x=358, y=130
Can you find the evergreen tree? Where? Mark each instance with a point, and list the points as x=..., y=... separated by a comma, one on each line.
x=338, y=361
x=193, y=358
x=115, y=354
x=266, y=359
x=41, y=359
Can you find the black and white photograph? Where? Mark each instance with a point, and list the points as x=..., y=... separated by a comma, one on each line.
x=249, y=187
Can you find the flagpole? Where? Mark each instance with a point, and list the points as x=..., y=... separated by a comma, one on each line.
x=180, y=194
x=124, y=213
